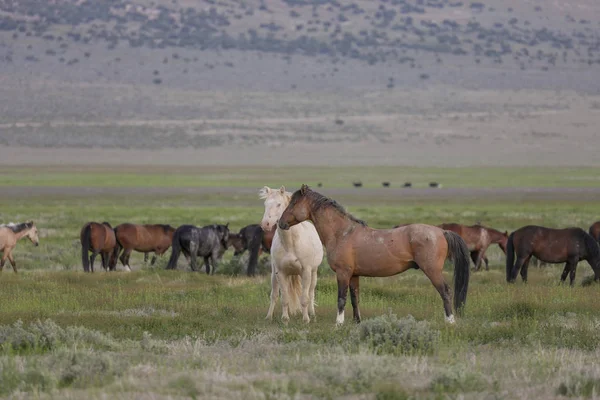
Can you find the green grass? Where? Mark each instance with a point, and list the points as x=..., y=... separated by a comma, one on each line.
x=257, y=177
x=184, y=334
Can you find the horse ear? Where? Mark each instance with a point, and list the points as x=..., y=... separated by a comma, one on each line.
x=282, y=189
x=304, y=189
x=264, y=192
x=227, y=225
x=505, y=233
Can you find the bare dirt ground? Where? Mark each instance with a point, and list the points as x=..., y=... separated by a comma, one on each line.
x=440, y=126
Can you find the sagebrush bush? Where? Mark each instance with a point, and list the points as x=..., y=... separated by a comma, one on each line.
x=388, y=334
x=47, y=335
x=580, y=385
x=84, y=368
x=456, y=380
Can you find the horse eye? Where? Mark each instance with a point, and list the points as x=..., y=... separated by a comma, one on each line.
x=278, y=205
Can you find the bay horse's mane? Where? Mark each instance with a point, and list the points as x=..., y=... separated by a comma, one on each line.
x=319, y=201
x=16, y=228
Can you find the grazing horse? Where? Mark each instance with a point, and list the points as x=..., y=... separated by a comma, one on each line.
x=209, y=242
x=295, y=258
x=255, y=239
x=10, y=235
x=143, y=238
x=354, y=250
x=569, y=245
x=99, y=239
x=478, y=238
x=595, y=231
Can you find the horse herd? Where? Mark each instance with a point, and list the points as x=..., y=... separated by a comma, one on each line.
x=297, y=226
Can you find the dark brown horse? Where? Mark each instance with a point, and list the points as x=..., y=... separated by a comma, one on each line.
x=256, y=240
x=99, y=239
x=595, y=231
x=143, y=238
x=355, y=250
x=569, y=245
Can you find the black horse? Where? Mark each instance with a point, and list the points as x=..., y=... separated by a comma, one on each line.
x=209, y=242
x=569, y=245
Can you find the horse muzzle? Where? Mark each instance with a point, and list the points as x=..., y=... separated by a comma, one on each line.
x=283, y=225
x=36, y=244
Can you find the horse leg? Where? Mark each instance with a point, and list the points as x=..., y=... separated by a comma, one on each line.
x=104, y=261
x=12, y=262
x=518, y=264
x=311, y=301
x=474, y=258
x=153, y=261
x=343, y=282
x=572, y=274
x=274, y=292
x=145, y=258
x=285, y=296
x=437, y=279
x=305, y=299
x=193, y=253
x=127, y=254
x=92, y=258
x=3, y=260
x=207, y=265
x=354, y=298
x=524, y=269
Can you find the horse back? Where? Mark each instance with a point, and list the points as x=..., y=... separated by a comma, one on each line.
x=549, y=244
x=386, y=252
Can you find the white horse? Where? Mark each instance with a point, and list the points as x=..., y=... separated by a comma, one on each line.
x=295, y=258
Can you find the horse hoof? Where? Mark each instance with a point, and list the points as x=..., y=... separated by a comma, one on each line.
x=451, y=319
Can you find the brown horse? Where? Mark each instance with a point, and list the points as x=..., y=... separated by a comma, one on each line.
x=99, y=239
x=478, y=238
x=569, y=245
x=10, y=235
x=355, y=250
x=143, y=238
x=595, y=231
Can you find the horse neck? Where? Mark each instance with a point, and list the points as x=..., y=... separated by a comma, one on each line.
x=331, y=226
x=494, y=235
x=22, y=234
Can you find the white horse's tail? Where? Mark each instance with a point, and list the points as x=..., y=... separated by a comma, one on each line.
x=294, y=286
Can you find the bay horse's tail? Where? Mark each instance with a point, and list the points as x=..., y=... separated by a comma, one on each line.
x=294, y=289
x=175, y=250
x=86, y=238
x=510, y=257
x=114, y=257
x=459, y=252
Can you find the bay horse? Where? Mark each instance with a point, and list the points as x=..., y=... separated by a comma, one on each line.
x=145, y=238
x=209, y=242
x=296, y=254
x=569, y=245
x=478, y=238
x=99, y=239
x=355, y=250
x=595, y=231
x=10, y=234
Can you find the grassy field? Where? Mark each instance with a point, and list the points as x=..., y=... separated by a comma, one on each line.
x=176, y=334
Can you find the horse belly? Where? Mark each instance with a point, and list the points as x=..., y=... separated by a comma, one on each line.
x=290, y=265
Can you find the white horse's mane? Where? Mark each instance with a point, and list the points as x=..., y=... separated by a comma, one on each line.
x=9, y=225
x=267, y=191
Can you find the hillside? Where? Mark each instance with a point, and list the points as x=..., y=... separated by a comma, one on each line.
x=204, y=74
